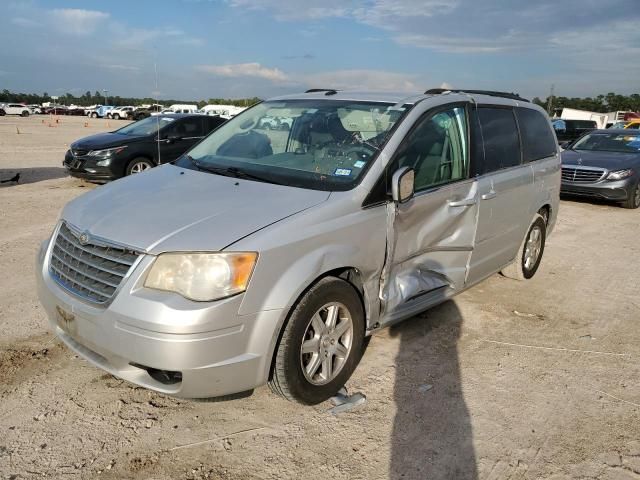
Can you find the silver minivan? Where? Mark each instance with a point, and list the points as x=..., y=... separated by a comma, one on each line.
x=269, y=256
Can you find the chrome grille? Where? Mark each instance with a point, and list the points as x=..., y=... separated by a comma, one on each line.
x=582, y=174
x=92, y=271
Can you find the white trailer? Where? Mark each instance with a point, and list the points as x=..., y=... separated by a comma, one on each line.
x=574, y=114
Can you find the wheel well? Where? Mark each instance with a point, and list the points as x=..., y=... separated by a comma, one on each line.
x=350, y=275
x=545, y=211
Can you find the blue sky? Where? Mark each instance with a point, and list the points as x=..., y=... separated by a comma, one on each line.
x=241, y=48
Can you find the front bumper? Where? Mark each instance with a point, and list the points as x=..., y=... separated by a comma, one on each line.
x=208, y=348
x=86, y=168
x=618, y=191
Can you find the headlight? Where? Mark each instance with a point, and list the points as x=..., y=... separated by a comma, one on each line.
x=620, y=174
x=202, y=277
x=108, y=152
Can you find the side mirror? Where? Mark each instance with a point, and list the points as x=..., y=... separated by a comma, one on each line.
x=402, y=184
x=565, y=145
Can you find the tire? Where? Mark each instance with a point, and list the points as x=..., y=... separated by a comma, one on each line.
x=528, y=260
x=138, y=165
x=633, y=201
x=94, y=115
x=24, y=114
x=309, y=320
x=116, y=116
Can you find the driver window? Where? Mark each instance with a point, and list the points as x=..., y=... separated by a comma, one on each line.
x=437, y=149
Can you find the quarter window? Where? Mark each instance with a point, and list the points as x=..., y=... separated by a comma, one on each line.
x=437, y=149
x=501, y=140
x=537, y=139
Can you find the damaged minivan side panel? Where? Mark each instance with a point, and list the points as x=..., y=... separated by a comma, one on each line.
x=430, y=238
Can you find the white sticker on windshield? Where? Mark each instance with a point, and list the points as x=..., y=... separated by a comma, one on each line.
x=345, y=172
x=167, y=119
x=359, y=164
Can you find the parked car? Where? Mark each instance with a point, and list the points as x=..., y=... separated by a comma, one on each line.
x=101, y=111
x=56, y=110
x=140, y=113
x=569, y=130
x=252, y=259
x=630, y=124
x=119, y=113
x=604, y=164
x=2, y=112
x=17, y=109
x=35, y=109
x=136, y=147
x=273, y=123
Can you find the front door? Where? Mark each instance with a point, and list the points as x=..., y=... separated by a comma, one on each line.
x=431, y=237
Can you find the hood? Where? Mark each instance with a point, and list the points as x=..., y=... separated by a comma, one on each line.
x=104, y=140
x=170, y=208
x=608, y=160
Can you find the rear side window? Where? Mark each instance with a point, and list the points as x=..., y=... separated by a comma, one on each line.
x=501, y=140
x=538, y=141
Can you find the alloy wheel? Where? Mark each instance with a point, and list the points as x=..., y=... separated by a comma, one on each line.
x=139, y=167
x=326, y=344
x=532, y=248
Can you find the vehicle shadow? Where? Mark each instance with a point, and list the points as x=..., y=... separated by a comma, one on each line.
x=29, y=175
x=588, y=200
x=432, y=433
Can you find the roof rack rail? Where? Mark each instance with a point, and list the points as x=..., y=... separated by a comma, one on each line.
x=492, y=93
x=329, y=91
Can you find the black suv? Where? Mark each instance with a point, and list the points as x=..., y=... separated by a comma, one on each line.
x=137, y=146
x=570, y=130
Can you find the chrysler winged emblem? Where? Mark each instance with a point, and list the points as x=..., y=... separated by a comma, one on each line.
x=83, y=238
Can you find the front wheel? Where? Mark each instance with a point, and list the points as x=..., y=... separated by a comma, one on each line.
x=321, y=344
x=530, y=253
x=24, y=114
x=633, y=201
x=116, y=116
x=138, y=165
x=94, y=115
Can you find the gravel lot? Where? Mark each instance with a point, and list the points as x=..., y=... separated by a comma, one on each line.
x=531, y=380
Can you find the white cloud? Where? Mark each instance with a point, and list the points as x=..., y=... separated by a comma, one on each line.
x=76, y=21
x=455, y=45
x=24, y=22
x=364, y=80
x=254, y=70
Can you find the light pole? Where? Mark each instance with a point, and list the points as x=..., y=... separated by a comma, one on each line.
x=105, y=91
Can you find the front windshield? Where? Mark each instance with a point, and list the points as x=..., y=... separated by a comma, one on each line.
x=318, y=144
x=609, y=142
x=146, y=126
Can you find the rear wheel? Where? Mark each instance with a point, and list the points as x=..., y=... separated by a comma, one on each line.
x=24, y=114
x=530, y=253
x=321, y=344
x=138, y=165
x=94, y=115
x=116, y=116
x=634, y=199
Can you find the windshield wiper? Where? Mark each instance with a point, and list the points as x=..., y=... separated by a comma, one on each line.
x=232, y=172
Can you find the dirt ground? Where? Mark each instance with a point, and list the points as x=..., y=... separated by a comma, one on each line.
x=512, y=380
